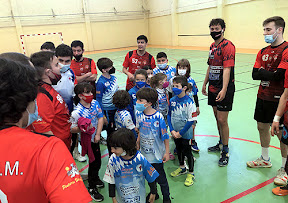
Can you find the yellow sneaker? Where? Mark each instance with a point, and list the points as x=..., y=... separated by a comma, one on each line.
x=189, y=180
x=178, y=172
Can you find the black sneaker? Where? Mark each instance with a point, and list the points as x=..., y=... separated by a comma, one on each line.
x=216, y=148
x=99, y=184
x=224, y=159
x=148, y=196
x=96, y=196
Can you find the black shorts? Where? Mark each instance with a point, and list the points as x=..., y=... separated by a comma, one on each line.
x=265, y=111
x=225, y=104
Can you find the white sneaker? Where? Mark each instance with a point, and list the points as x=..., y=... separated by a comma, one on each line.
x=78, y=156
x=281, y=178
x=259, y=163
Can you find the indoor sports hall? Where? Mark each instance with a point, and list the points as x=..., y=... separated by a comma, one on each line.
x=180, y=28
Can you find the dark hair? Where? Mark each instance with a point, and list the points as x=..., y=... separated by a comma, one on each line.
x=154, y=82
x=48, y=46
x=41, y=60
x=218, y=21
x=161, y=55
x=149, y=94
x=104, y=63
x=125, y=139
x=77, y=43
x=147, y=67
x=279, y=22
x=180, y=79
x=184, y=63
x=17, y=57
x=141, y=72
x=142, y=37
x=63, y=50
x=80, y=88
x=121, y=99
x=189, y=87
x=18, y=88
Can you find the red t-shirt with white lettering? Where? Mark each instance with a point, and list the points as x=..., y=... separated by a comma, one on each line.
x=271, y=58
x=134, y=62
x=53, y=114
x=37, y=169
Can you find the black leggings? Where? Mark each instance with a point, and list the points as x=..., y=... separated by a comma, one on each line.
x=184, y=149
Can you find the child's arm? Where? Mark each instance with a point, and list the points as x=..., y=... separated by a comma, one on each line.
x=99, y=129
x=112, y=191
x=169, y=122
x=153, y=191
x=186, y=127
x=197, y=103
x=166, y=156
x=99, y=93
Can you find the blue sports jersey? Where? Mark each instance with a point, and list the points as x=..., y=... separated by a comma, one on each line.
x=170, y=72
x=152, y=132
x=123, y=119
x=181, y=111
x=194, y=87
x=129, y=177
x=163, y=101
x=93, y=113
x=105, y=89
x=65, y=87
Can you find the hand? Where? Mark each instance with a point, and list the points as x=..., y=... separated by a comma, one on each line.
x=166, y=157
x=114, y=200
x=88, y=74
x=97, y=138
x=275, y=128
x=173, y=133
x=204, y=90
x=197, y=111
x=130, y=76
x=177, y=135
x=152, y=198
x=221, y=95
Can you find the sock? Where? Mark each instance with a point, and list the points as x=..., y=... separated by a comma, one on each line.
x=283, y=162
x=265, y=153
x=225, y=148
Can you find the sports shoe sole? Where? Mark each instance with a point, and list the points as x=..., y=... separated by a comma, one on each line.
x=180, y=174
x=265, y=166
x=279, y=192
x=280, y=182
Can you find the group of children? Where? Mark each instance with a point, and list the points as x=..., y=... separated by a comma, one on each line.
x=136, y=123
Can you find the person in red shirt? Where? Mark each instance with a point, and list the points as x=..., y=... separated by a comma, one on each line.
x=34, y=168
x=220, y=75
x=270, y=67
x=137, y=59
x=53, y=116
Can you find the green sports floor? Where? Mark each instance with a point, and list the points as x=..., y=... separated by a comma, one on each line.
x=236, y=182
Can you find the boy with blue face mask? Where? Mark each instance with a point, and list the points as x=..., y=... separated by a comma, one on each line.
x=153, y=137
x=181, y=116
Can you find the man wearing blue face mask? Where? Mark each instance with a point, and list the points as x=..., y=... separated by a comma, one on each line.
x=270, y=68
x=163, y=67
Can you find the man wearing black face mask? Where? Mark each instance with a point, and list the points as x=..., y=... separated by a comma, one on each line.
x=84, y=68
x=220, y=75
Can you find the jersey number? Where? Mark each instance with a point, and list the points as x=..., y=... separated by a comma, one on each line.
x=134, y=60
x=265, y=57
x=3, y=197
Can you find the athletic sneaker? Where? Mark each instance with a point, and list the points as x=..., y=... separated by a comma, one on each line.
x=178, y=172
x=96, y=196
x=224, y=159
x=77, y=156
x=280, y=191
x=103, y=141
x=189, y=180
x=259, y=163
x=171, y=156
x=99, y=184
x=281, y=178
x=194, y=147
x=216, y=148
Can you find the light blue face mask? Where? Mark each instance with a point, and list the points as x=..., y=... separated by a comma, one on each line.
x=269, y=38
x=32, y=116
x=162, y=66
x=64, y=68
x=140, y=107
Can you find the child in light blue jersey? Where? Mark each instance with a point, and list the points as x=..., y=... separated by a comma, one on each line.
x=127, y=170
x=123, y=118
x=140, y=82
x=153, y=136
x=181, y=116
x=106, y=86
x=87, y=107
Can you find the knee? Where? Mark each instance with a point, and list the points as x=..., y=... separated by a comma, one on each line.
x=262, y=127
x=222, y=121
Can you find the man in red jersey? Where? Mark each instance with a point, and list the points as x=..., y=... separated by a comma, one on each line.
x=220, y=75
x=137, y=59
x=34, y=168
x=270, y=66
x=53, y=116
